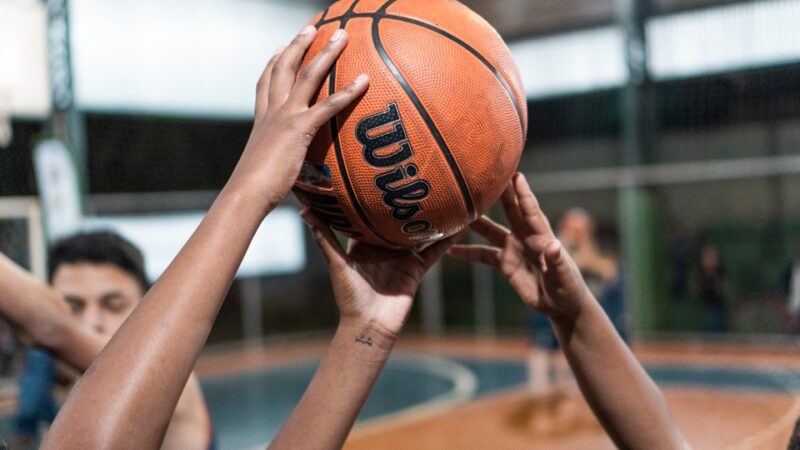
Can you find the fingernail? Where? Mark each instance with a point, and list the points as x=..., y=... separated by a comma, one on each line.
x=307, y=30
x=280, y=49
x=337, y=35
x=361, y=79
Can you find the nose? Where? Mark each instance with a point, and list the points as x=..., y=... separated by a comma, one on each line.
x=93, y=318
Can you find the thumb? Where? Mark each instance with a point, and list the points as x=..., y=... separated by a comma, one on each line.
x=559, y=271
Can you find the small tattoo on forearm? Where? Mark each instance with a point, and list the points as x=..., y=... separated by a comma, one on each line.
x=366, y=340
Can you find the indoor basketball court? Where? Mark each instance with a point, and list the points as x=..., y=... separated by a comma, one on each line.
x=660, y=139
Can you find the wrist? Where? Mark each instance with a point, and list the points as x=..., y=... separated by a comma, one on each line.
x=367, y=334
x=246, y=199
x=568, y=314
x=587, y=311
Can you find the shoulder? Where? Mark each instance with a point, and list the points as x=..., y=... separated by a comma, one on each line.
x=192, y=404
x=190, y=427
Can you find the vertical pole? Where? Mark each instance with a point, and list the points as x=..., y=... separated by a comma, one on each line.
x=432, y=301
x=637, y=205
x=483, y=290
x=252, y=310
x=67, y=124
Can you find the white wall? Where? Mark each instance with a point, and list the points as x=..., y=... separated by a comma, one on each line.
x=713, y=40
x=24, y=78
x=198, y=58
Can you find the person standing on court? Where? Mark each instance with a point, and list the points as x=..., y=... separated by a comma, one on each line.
x=36, y=404
x=711, y=283
x=595, y=249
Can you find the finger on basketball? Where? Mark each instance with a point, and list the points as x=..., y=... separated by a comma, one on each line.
x=262, y=87
x=284, y=72
x=312, y=75
x=433, y=253
x=323, y=111
x=490, y=230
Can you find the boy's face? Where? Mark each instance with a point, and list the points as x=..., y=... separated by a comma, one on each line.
x=99, y=295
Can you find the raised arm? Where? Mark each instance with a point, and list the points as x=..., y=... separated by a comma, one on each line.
x=374, y=290
x=126, y=398
x=40, y=313
x=623, y=397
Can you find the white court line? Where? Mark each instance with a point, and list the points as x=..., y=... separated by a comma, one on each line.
x=464, y=387
x=465, y=384
x=779, y=426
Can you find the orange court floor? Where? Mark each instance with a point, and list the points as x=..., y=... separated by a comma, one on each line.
x=708, y=418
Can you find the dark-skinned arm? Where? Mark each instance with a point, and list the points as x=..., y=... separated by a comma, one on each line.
x=374, y=289
x=126, y=398
x=622, y=396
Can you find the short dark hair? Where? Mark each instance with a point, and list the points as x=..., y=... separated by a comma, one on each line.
x=99, y=247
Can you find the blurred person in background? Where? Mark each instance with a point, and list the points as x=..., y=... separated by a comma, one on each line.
x=604, y=265
x=36, y=404
x=595, y=249
x=99, y=277
x=711, y=284
x=549, y=379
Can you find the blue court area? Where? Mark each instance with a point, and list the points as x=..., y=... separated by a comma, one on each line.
x=249, y=408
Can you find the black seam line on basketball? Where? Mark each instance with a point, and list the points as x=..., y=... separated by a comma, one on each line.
x=376, y=39
x=476, y=54
x=350, y=11
x=385, y=6
x=469, y=48
x=322, y=19
x=334, y=126
x=345, y=17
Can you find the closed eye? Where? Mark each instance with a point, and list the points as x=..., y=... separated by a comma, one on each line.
x=76, y=304
x=114, y=301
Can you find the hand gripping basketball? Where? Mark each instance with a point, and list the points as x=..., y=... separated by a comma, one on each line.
x=285, y=123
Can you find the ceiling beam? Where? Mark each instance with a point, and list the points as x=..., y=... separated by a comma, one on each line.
x=526, y=18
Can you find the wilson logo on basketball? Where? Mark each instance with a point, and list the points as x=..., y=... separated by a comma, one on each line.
x=402, y=190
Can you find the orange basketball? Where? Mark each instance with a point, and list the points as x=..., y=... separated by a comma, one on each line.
x=436, y=138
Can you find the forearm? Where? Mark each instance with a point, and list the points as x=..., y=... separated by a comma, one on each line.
x=623, y=397
x=36, y=310
x=326, y=413
x=136, y=381
x=27, y=303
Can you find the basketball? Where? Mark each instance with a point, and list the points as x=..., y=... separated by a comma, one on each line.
x=434, y=141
